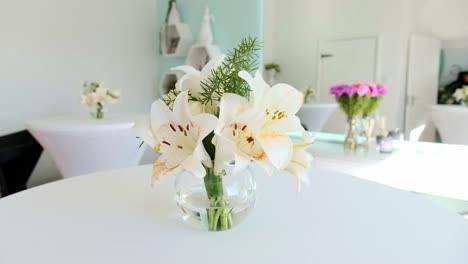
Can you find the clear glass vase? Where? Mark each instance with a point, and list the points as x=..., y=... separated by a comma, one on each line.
x=351, y=140
x=366, y=130
x=216, y=202
x=99, y=114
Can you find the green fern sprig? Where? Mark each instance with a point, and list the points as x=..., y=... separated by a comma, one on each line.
x=225, y=78
x=170, y=97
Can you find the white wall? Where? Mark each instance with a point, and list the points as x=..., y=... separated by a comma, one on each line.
x=48, y=48
x=445, y=20
x=269, y=14
x=298, y=25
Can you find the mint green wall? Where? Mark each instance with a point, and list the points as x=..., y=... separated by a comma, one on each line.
x=234, y=20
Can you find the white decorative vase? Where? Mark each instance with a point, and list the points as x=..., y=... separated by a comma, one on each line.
x=271, y=74
x=205, y=37
x=174, y=16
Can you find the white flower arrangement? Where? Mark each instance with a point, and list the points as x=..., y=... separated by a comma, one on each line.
x=96, y=95
x=223, y=114
x=461, y=95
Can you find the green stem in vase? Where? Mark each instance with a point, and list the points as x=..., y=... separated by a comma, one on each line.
x=219, y=214
x=99, y=113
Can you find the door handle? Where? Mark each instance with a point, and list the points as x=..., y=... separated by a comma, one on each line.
x=324, y=56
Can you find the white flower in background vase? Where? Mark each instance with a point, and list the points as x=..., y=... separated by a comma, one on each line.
x=178, y=136
x=205, y=37
x=461, y=95
x=96, y=95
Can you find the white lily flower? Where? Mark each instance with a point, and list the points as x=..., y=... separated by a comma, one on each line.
x=193, y=78
x=239, y=123
x=300, y=163
x=178, y=136
x=280, y=103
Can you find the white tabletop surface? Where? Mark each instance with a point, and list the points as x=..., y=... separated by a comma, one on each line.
x=83, y=122
x=116, y=217
x=431, y=168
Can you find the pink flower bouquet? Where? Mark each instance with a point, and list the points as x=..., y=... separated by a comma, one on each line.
x=359, y=99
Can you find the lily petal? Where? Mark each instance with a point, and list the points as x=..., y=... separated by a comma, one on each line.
x=160, y=114
x=190, y=82
x=207, y=123
x=286, y=125
x=181, y=108
x=231, y=105
x=299, y=166
x=212, y=65
x=224, y=154
x=257, y=84
x=193, y=165
x=278, y=148
x=285, y=98
x=185, y=69
x=142, y=129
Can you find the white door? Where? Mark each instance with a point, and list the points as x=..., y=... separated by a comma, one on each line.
x=422, y=86
x=345, y=61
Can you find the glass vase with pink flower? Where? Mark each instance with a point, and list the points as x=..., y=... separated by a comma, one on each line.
x=358, y=102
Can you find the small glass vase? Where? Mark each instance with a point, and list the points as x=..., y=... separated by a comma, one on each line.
x=99, y=112
x=351, y=140
x=367, y=129
x=228, y=201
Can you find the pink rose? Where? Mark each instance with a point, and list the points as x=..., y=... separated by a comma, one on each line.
x=382, y=89
x=361, y=89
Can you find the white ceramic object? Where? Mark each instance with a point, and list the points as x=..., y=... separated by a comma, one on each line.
x=117, y=217
x=81, y=145
x=271, y=74
x=167, y=80
x=452, y=123
x=315, y=116
x=205, y=35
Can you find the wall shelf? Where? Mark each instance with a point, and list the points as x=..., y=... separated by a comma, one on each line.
x=175, y=40
x=168, y=81
x=199, y=55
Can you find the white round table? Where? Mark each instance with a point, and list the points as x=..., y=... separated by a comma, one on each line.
x=116, y=217
x=451, y=122
x=315, y=116
x=81, y=145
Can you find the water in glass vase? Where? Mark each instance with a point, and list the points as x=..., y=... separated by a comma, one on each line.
x=221, y=210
